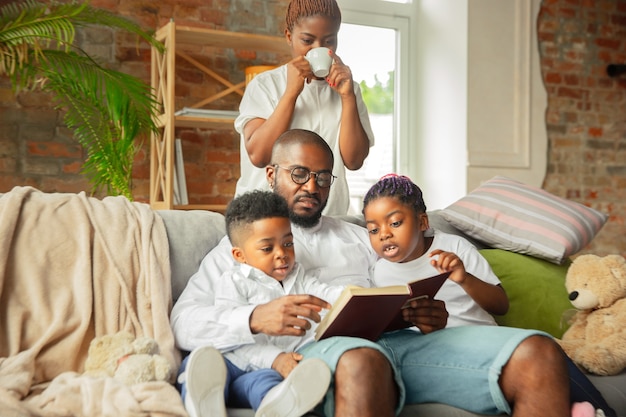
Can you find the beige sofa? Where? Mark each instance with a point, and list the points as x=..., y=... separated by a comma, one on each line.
x=192, y=234
x=86, y=268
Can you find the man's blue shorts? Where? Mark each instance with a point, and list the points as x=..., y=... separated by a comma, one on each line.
x=458, y=366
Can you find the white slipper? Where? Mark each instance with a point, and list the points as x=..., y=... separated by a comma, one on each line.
x=205, y=375
x=300, y=392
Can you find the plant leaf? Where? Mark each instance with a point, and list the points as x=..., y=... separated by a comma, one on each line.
x=106, y=109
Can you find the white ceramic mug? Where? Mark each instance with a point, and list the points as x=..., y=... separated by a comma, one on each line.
x=320, y=61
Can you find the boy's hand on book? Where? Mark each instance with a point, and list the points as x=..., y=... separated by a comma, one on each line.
x=285, y=362
x=288, y=315
x=427, y=314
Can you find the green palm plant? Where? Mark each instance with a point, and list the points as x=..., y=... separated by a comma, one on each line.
x=106, y=109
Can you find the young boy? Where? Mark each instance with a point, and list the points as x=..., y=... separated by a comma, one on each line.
x=268, y=375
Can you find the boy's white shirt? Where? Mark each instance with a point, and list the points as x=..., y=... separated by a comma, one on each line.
x=463, y=310
x=335, y=251
x=318, y=108
x=244, y=285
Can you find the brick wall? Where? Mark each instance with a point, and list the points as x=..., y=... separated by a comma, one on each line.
x=586, y=115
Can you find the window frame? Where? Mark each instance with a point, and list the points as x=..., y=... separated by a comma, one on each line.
x=396, y=16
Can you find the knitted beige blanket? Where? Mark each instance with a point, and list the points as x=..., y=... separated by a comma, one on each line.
x=73, y=268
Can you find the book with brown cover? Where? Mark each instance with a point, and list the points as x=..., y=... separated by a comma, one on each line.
x=369, y=312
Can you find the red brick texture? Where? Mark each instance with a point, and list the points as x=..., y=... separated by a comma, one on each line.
x=586, y=115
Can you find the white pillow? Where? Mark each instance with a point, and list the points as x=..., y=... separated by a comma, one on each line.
x=507, y=214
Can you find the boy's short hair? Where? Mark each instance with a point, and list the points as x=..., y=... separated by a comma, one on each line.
x=250, y=207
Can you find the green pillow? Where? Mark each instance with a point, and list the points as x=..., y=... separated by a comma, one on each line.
x=536, y=289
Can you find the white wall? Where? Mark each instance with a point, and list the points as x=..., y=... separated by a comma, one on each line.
x=438, y=142
x=507, y=99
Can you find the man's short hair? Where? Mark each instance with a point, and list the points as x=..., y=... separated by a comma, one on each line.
x=280, y=150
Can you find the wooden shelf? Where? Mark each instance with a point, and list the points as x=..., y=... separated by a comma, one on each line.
x=177, y=40
x=188, y=35
x=193, y=121
x=197, y=122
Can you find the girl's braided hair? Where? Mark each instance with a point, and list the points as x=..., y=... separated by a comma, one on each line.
x=398, y=187
x=299, y=9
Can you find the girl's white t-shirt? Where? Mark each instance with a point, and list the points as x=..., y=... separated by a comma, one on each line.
x=318, y=108
x=462, y=308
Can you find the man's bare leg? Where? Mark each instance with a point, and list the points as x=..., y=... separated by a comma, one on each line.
x=364, y=385
x=535, y=381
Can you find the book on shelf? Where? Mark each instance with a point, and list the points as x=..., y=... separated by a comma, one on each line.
x=207, y=113
x=180, y=182
x=369, y=312
x=176, y=190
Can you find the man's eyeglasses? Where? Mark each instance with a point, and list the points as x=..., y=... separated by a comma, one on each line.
x=301, y=175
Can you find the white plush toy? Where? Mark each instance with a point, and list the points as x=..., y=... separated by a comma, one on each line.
x=596, y=339
x=126, y=358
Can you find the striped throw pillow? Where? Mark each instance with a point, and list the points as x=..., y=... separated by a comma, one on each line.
x=510, y=215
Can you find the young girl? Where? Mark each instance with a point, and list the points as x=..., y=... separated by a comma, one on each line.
x=292, y=97
x=395, y=216
x=396, y=219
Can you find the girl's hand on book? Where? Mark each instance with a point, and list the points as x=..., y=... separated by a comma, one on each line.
x=427, y=314
x=288, y=315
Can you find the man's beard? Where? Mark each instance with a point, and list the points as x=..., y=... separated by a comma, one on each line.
x=306, y=221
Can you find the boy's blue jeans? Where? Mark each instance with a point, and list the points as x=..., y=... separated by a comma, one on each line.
x=243, y=389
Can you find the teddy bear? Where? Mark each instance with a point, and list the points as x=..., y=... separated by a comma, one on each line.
x=126, y=358
x=596, y=338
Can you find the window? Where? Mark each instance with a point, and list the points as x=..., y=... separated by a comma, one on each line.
x=430, y=89
x=373, y=66
x=370, y=45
